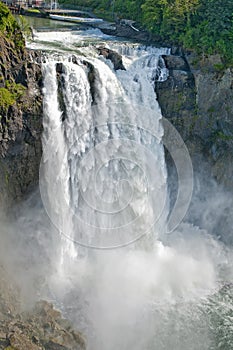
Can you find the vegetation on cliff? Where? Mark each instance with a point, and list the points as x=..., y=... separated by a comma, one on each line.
x=203, y=25
x=9, y=27
x=10, y=94
x=12, y=44
x=20, y=112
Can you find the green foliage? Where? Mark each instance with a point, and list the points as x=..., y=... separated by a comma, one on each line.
x=219, y=67
x=6, y=99
x=7, y=22
x=24, y=26
x=9, y=27
x=223, y=137
x=153, y=15
x=33, y=10
x=212, y=30
x=205, y=26
x=10, y=94
x=16, y=89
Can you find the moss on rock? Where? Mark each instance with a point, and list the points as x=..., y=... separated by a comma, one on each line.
x=6, y=100
x=9, y=95
x=10, y=28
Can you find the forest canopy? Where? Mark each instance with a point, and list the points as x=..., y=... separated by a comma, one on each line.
x=203, y=25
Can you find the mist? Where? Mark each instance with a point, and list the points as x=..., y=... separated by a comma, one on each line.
x=129, y=298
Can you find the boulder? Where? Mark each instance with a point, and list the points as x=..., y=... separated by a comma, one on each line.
x=113, y=56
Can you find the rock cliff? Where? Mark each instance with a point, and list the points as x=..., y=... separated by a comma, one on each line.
x=20, y=120
x=197, y=98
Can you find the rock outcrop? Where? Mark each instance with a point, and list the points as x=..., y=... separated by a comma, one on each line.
x=113, y=56
x=20, y=120
x=197, y=98
x=214, y=121
x=126, y=31
x=41, y=328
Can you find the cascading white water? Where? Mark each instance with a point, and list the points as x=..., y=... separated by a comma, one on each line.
x=102, y=146
x=103, y=183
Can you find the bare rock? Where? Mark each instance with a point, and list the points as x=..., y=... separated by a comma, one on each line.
x=112, y=56
x=41, y=328
x=197, y=98
x=20, y=341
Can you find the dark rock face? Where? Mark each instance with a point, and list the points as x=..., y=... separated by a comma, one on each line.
x=214, y=122
x=127, y=32
x=20, y=123
x=177, y=96
x=112, y=56
x=197, y=99
x=61, y=83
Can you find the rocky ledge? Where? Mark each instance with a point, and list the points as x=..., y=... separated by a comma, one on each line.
x=126, y=31
x=38, y=329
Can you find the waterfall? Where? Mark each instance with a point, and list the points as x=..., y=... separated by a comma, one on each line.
x=103, y=183
x=107, y=169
